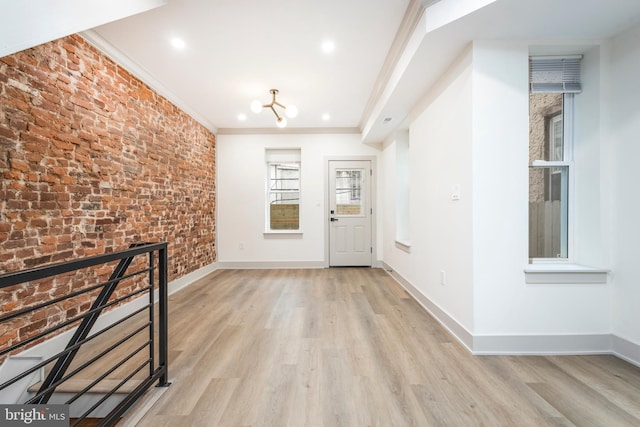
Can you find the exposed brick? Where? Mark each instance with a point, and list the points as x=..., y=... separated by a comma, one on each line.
x=32, y=262
x=38, y=223
x=14, y=244
x=91, y=160
x=32, y=328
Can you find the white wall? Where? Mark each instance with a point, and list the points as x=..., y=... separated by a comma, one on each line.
x=589, y=149
x=440, y=229
x=504, y=303
x=388, y=187
x=241, y=195
x=624, y=138
x=472, y=129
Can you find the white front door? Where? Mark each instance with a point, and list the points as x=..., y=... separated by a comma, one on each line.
x=350, y=213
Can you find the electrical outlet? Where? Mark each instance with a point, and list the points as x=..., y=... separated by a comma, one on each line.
x=241, y=246
x=455, y=192
x=443, y=278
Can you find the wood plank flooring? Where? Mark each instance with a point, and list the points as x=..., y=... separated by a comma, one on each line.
x=348, y=347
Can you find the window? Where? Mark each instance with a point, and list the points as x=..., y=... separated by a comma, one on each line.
x=349, y=191
x=283, y=190
x=554, y=80
x=402, y=190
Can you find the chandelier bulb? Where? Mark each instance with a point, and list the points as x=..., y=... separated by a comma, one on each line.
x=281, y=122
x=256, y=106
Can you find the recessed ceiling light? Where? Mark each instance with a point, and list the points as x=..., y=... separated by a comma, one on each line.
x=178, y=43
x=242, y=117
x=328, y=46
x=326, y=117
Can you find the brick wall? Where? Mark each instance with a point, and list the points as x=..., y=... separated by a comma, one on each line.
x=91, y=160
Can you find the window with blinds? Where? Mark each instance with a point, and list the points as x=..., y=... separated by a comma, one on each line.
x=554, y=81
x=283, y=189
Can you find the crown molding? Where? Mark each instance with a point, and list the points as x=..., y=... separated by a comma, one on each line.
x=288, y=131
x=409, y=22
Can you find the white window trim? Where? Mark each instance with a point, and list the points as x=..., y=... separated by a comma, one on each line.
x=565, y=270
x=564, y=273
x=268, y=232
x=274, y=233
x=403, y=245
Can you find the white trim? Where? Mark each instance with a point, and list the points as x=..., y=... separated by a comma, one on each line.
x=522, y=344
x=564, y=273
x=410, y=23
x=122, y=60
x=288, y=131
x=557, y=345
x=283, y=234
x=541, y=344
x=626, y=350
x=449, y=323
x=275, y=156
x=403, y=245
x=191, y=278
x=269, y=265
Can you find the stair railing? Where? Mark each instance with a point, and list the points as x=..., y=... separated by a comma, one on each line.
x=156, y=326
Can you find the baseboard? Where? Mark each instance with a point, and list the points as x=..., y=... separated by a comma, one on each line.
x=269, y=265
x=192, y=277
x=523, y=344
x=626, y=350
x=448, y=322
x=541, y=344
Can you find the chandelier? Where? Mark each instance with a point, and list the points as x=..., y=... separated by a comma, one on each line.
x=291, y=111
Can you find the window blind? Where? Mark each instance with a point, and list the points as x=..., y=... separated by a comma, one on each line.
x=282, y=155
x=557, y=74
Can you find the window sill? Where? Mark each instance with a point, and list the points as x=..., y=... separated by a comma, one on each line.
x=283, y=234
x=404, y=245
x=562, y=273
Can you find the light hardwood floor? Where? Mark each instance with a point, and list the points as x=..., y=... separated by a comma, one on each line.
x=348, y=347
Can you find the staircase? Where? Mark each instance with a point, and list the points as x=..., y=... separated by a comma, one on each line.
x=105, y=366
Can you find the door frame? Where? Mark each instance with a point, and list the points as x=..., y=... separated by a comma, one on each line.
x=373, y=185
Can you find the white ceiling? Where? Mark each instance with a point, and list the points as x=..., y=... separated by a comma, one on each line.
x=236, y=50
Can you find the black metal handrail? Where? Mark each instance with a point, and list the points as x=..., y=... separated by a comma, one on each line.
x=58, y=374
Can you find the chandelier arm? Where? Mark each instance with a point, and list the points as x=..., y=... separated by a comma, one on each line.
x=274, y=111
x=279, y=105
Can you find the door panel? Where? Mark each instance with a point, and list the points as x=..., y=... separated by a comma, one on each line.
x=350, y=213
x=359, y=239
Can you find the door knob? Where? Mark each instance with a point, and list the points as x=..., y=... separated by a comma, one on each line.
x=334, y=219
